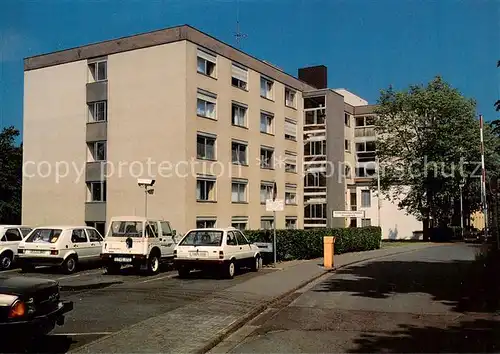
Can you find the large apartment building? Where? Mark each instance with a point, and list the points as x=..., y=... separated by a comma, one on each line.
x=215, y=127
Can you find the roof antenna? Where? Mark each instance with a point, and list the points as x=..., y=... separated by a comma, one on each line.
x=239, y=35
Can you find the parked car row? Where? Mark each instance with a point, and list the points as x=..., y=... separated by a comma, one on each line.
x=130, y=240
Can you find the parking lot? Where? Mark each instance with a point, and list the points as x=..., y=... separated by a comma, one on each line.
x=104, y=304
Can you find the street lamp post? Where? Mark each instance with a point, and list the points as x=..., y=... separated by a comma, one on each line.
x=461, y=185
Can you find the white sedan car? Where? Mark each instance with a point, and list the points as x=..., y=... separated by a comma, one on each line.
x=10, y=237
x=222, y=250
x=63, y=246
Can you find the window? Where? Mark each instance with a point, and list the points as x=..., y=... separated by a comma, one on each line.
x=315, y=211
x=266, y=88
x=347, y=171
x=290, y=194
x=347, y=120
x=266, y=191
x=353, y=223
x=94, y=235
x=205, y=147
x=290, y=161
x=239, y=223
x=315, y=179
x=266, y=123
x=78, y=236
x=315, y=116
x=239, y=191
x=365, y=199
x=290, y=129
x=166, y=229
x=205, y=223
x=239, y=153
x=98, y=71
x=97, y=191
x=98, y=150
x=266, y=158
x=291, y=222
x=206, y=63
x=98, y=111
x=266, y=223
x=205, y=189
x=290, y=97
x=206, y=105
x=315, y=148
x=239, y=115
x=239, y=76
x=366, y=222
x=99, y=226
x=151, y=230
x=242, y=240
x=13, y=235
x=203, y=238
x=231, y=239
x=365, y=121
x=25, y=231
x=347, y=145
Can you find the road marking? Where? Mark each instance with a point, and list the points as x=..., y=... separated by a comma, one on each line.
x=163, y=277
x=70, y=276
x=82, y=334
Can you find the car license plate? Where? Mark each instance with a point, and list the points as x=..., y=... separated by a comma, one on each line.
x=196, y=254
x=36, y=251
x=123, y=259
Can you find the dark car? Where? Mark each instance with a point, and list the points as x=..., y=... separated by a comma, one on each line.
x=29, y=307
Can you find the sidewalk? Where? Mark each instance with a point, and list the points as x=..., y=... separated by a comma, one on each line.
x=197, y=327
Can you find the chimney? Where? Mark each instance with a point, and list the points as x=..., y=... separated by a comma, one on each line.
x=315, y=76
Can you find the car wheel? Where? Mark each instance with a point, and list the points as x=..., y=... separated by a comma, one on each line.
x=113, y=268
x=6, y=261
x=257, y=264
x=230, y=270
x=69, y=265
x=184, y=272
x=153, y=264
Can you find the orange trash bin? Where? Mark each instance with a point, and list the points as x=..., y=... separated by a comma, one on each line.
x=328, y=250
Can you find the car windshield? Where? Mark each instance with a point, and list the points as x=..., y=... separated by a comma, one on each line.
x=202, y=238
x=44, y=235
x=126, y=228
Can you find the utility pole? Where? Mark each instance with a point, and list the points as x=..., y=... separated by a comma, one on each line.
x=461, y=185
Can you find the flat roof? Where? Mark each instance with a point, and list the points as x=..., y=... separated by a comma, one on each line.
x=160, y=37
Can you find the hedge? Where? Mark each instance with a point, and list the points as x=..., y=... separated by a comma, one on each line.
x=308, y=244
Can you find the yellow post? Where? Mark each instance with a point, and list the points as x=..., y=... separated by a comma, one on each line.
x=328, y=249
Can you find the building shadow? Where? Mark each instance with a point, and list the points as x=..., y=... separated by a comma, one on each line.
x=478, y=336
x=467, y=287
x=463, y=285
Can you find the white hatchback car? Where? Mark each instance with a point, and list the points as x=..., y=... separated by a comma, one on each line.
x=63, y=246
x=222, y=250
x=10, y=237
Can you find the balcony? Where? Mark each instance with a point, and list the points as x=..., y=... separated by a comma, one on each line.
x=97, y=91
x=97, y=131
x=364, y=132
x=95, y=171
x=95, y=211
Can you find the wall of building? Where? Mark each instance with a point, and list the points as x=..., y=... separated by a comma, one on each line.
x=147, y=121
x=55, y=116
x=224, y=209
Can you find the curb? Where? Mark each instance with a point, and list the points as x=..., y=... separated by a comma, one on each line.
x=259, y=309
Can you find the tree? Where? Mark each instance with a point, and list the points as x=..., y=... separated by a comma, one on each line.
x=427, y=141
x=497, y=103
x=11, y=162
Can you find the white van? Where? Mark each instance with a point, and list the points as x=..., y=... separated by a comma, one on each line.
x=10, y=237
x=63, y=246
x=141, y=242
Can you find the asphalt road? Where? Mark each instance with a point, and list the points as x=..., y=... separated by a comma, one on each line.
x=104, y=304
x=428, y=301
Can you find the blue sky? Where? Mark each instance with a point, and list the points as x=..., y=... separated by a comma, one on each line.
x=366, y=45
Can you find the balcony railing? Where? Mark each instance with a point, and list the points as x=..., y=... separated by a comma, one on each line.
x=364, y=132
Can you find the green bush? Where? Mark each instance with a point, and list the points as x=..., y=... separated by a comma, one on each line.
x=308, y=244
